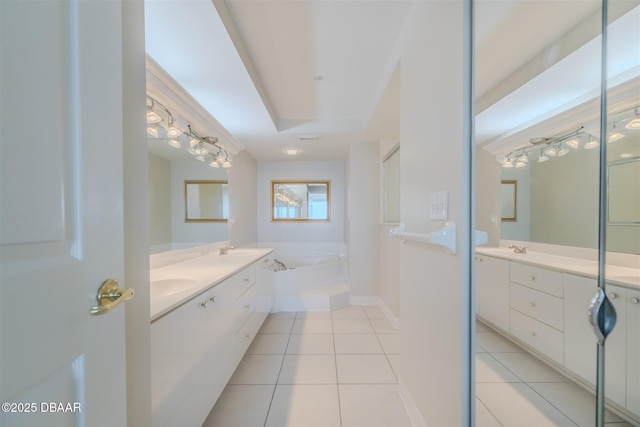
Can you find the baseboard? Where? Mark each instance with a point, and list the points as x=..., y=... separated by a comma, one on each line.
x=412, y=410
x=395, y=322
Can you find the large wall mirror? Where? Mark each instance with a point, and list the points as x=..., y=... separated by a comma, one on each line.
x=558, y=197
x=300, y=201
x=206, y=201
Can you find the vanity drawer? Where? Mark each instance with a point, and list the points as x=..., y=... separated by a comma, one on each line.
x=543, y=307
x=543, y=280
x=245, y=335
x=246, y=278
x=544, y=338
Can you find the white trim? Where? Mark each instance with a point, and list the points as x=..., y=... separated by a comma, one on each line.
x=162, y=86
x=412, y=410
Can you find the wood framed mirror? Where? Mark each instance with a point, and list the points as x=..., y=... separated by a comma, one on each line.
x=206, y=201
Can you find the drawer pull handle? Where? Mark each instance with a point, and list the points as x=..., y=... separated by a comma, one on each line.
x=532, y=304
x=634, y=300
x=247, y=306
x=204, y=304
x=246, y=279
x=266, y=261
x=532, y=278
x=248, y=336
x=533, y=334
x=612, y=295
x=212, y=299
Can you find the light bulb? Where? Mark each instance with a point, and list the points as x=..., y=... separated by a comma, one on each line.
x=173, y=132
x=200, y=158
x=152, y=116
x=153, y=130
x=592, y=143
x=573, y=143
x=542, y=157
x=614, y=136
x=193, y=142
x=633, y=124
x=520, y=164
x=226, y=164
x=561, y=150
x=523, y=158
x=550, y=151
x=174, y=143
x=214, y=164
x=507, y=164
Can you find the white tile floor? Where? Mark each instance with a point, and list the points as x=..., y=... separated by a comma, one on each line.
x=339, y=369
x=317, y=369
x=514, y=388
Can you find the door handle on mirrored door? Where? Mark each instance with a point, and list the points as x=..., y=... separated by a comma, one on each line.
x=601, y=315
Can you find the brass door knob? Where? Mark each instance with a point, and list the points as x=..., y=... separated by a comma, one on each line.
x=109, y=296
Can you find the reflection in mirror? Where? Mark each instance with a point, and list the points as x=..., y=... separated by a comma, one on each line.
x=509, y=200
x=300, y=201
x=206, y=201
x=558, y=197
x=167, y=227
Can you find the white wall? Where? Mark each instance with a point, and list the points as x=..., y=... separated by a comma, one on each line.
x=159, y=204
x=243, y=200
x=301, y=232
x=389, y=253
x=363, y=212
x=186, y=234
x=488, y=196
x=433, y=336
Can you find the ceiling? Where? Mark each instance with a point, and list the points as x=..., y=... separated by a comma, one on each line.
x=273, y=71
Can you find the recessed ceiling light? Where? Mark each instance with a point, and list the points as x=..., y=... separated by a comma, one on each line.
x=626, y=155
x=291, y=151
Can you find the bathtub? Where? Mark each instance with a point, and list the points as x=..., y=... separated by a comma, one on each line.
x=316, y=278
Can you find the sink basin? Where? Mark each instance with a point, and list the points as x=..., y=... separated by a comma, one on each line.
x=170, y=286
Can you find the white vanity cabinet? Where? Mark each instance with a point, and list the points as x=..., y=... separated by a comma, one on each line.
x=580, y=341
x=196, y=347
x=492, y=290
x=632, y=302
x=537, y=313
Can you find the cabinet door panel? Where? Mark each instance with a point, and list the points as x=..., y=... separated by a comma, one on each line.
x=580, y=342
x=543, y=280
x=543, y=307
x=545, y=339
x=492, y=290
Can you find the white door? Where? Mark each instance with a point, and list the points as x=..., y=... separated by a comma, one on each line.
x=61, y=223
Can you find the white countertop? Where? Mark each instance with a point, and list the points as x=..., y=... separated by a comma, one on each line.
x=200, y=273
x=623, y=276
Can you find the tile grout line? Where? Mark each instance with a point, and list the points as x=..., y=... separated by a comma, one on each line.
x=335, y=360
x=278, y=377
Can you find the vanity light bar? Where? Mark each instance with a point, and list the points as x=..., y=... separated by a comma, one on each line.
x=220, y=156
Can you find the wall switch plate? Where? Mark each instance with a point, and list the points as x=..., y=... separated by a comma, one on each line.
x=439, y=206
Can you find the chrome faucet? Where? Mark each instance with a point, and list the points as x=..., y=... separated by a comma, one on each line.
x=518, y=249
x=225, y=250
x=278, y=265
